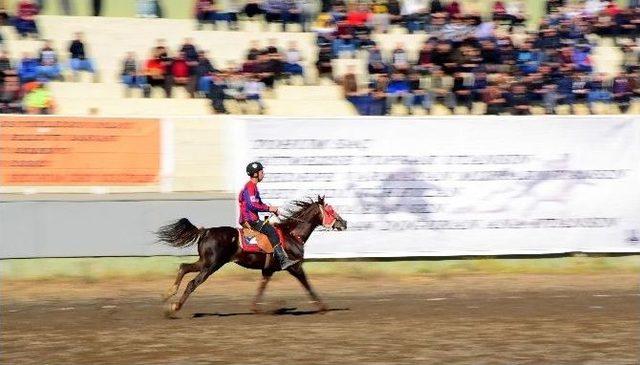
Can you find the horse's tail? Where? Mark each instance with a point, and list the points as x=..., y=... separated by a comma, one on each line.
x=179, y=234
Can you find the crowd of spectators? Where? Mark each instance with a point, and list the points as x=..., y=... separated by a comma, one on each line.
x=466, y=59
x=191, y=68
x=23, y=84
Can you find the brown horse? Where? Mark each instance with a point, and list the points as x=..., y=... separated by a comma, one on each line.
x=220, y=245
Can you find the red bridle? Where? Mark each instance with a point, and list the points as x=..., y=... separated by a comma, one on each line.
x=328, y=215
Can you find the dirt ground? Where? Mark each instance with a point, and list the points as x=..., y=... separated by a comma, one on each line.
x=493, y=319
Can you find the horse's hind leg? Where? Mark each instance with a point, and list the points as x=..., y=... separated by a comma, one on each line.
x=266, y=276
x=193, y=284
x=182, y=271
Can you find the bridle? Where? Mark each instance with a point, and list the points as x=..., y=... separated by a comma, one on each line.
x=328, y=216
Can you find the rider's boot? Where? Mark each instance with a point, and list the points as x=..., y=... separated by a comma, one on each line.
x=282, y=257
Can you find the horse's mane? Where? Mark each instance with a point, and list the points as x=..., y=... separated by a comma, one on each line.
x=303, y=210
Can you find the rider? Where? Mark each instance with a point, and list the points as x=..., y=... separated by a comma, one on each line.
x=251, y=204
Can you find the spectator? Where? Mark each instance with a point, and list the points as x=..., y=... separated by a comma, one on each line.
x=436, y=7
x=10, y=94
x=399, y=89
x=253, y=8
x=359, y=15
x=593, y=7
x=5, y=19
x=38, y=99
x=183, y=73
x=515, y=13
x=622, y=92
x=485, y=31
x=253, y=89
x=579, y=87
x=499, y=11
x=462, y=90
x=364, y=41
x=293, y=58
x=413, y=14
x=5, y=65
x=564, y=89
x=490, y=56
x=254, y=51
x=553, y=6
x=323, y=64
x=156, y=71
x=480, y=83
x=97, y=7
x=425, y=59
x=581, y=58
x=344, y=46
x=495, y=99
x=441, y=90
x=78, y=57
x=267, y=69
x=205, y=13
x=338, y=12
x=204, y=72
x=284, y=11
x=376, y=64
x=132, y=76
x=272, y=47
x=189, y=50
x=419, y=95
x=400, y=58
x=598, y=92
x=25, y=21
x=324, y=25
x=453, y=9
x=217, y=94
x=228, y=12
x=380, y=17
x=395, y=16
x=28, y=68
x=350, y=82
x=49, y=67
x=528, y=59
x=518, y=100
x=442, y=57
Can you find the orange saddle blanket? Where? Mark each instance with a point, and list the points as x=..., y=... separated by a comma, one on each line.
x=254, y=241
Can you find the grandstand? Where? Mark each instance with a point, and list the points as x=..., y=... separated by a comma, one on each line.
x=108, y=39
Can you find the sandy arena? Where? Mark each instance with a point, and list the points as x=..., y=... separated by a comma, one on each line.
x=497, y=319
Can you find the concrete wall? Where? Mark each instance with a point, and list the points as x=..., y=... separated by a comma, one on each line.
x=109, y=225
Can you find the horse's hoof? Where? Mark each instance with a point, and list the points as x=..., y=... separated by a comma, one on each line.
x=322, y=308
x=256, y=309
x=170, y=310
x=170, y=293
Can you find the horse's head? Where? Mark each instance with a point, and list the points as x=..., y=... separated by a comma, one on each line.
x=329, y=217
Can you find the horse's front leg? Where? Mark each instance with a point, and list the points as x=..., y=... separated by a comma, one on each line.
x=299, y=274
x=266, y=276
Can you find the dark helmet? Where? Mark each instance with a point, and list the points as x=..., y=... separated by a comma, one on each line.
x=253, y=168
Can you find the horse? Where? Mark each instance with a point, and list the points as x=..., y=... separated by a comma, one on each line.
x=218, y=246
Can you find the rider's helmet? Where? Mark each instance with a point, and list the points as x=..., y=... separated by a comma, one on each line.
x=253, y=168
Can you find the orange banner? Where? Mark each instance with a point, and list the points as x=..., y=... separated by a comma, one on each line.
x=36, y=150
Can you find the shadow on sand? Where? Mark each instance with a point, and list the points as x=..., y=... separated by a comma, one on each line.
x=289, y=311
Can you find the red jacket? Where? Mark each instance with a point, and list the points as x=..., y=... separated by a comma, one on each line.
x=26, y=10
x=250, y=203
x=180, y=68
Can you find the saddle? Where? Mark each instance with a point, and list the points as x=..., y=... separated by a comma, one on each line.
x=254, y=241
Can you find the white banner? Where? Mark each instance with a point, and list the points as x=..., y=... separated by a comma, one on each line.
x=459, y=186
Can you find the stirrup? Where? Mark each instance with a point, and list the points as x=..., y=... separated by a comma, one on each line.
x=288, y=263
